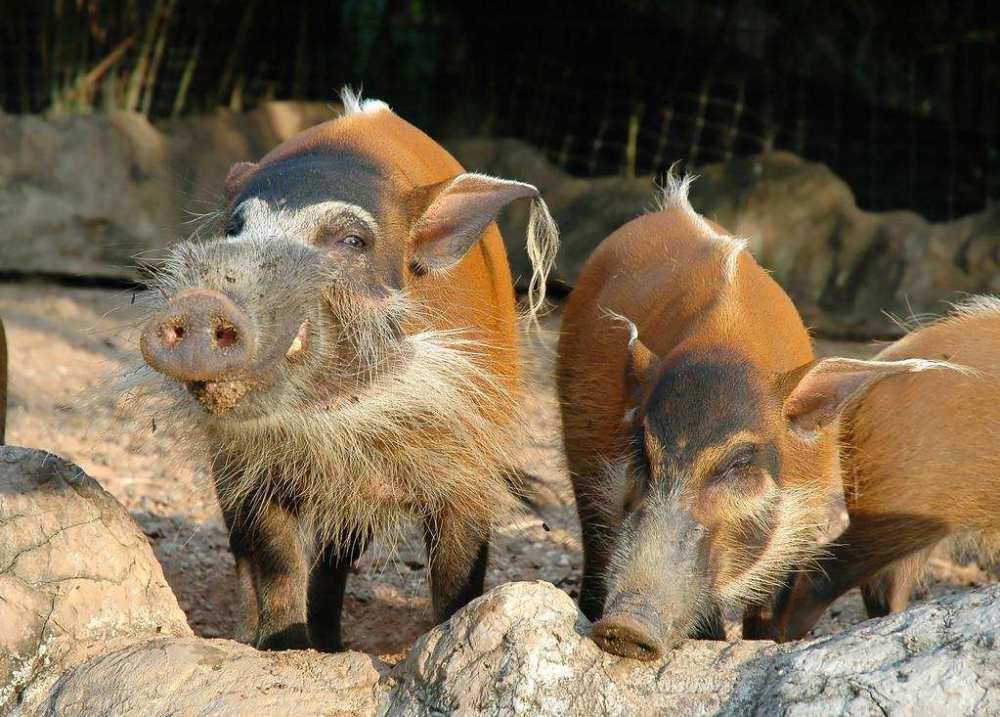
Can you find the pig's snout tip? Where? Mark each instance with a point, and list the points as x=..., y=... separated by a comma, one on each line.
x=200, y=335
x=629, y=635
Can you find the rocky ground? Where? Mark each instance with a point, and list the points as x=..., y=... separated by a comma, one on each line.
x=62, y=342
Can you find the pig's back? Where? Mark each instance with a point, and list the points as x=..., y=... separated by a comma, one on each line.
x=683, y=282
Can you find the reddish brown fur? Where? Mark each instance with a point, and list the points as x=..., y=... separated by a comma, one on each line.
x=921, y=465
x=666, y=272
x=475, y=296
x=371, y=372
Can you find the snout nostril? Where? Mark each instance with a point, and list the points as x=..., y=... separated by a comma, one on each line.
x=199, y=335
x=226, y=335
x=171, y=334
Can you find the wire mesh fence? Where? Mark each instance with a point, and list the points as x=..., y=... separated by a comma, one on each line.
x=903, y=108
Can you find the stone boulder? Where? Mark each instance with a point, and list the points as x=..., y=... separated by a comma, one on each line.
x=82, y=195
x=89, y=627
x=845, y=268
x=75, y=570
x=523, y=649
x=938, y=658
x=89, y=195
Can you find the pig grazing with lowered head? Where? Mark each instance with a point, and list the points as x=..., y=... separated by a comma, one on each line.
x=700, y=433
x=348, y=352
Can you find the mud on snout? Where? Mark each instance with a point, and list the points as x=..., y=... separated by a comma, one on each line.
x=231, y=321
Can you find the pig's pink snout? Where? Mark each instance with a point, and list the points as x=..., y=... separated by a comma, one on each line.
x=200, y=335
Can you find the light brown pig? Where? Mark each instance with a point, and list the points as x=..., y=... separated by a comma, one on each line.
x=347, y=350
x=701, y=436
x=921, y=463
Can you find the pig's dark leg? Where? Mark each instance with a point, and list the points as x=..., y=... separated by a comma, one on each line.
x=327, y=583
x=598, y=541
x=866, y=547
x=876, y=599
x=711, y=625
x=758, y=620
x=889, y=592
x=268, y=541
x=243, y=557
x=756, y=623
x=457, y=554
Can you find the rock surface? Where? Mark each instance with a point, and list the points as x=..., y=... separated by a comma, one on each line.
x=523, y=649
x=938, y=658
x=90, y=628
x=74, y=568
x=843, y=266
x=194, y=676
x=90, y=194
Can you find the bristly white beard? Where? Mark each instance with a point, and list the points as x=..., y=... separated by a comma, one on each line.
x=435, y=435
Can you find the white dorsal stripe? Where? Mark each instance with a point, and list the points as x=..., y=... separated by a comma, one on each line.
x=673, y=194
x=354, y=104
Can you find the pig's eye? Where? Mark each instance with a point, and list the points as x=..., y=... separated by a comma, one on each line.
x=738, y=463
x=353, y=241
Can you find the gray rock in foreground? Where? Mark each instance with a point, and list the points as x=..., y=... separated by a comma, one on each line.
x=939, y=658
x=193, y=676
x=522, y=649
x=89, y=627
x=74, y=569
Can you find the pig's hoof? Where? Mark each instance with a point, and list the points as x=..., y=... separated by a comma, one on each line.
x=623, y=635
x=293, y=637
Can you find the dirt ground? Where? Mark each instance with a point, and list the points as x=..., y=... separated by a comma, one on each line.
x=63, y=341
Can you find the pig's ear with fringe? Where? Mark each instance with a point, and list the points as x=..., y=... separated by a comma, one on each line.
x=451, y=216
x=817, y=392
x=456, y=213
x=238, y=174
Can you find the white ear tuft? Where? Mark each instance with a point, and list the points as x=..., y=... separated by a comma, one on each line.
x=457, y=214
x=828, y=386
x=640, y=361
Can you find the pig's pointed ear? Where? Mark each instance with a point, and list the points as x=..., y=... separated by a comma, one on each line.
x=817, y=392
x=236, y=178
x=640, y=363
x=451, y=216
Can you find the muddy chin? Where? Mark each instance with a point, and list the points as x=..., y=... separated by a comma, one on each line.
x=219, y=397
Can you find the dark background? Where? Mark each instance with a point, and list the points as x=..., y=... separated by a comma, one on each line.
x=901, y=100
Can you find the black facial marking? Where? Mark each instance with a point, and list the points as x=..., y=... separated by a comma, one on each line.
x=318, y=176
x=234, y=224
x=700, y=401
